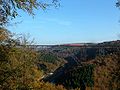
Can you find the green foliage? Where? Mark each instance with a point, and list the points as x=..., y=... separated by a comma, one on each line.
x=18, y=68
x=49, y=62
x=78, y=77
x=19, y=71
x=48, y=57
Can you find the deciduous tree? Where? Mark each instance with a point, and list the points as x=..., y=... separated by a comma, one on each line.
x=9, y=8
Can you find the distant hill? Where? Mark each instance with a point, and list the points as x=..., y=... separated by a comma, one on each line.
x=88, y=65
x=48, y=47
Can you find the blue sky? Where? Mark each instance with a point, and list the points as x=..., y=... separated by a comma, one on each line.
x=75, y=21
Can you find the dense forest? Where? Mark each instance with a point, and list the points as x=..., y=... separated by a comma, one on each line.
x=79, y=66
x=59, y=68
x=93, y=66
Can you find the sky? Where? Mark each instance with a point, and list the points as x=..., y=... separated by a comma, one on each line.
x=75, y=21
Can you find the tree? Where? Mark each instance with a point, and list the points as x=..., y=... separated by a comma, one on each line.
x=4, y=34
x=118, y=3
x=17, y=65
x=9, y=8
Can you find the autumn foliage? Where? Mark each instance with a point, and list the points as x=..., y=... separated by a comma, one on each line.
x=18, y=67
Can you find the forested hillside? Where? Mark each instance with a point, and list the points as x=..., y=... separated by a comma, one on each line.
x=25, y=65
x=19, y=65
x=61, y=67
x=87, y=66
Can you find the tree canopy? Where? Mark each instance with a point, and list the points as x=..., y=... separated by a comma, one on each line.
x=118, y=3
x=9, y=8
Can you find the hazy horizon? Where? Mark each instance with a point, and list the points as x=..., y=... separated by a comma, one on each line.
x=73, y=22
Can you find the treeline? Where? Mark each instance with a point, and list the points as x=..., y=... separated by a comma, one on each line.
x=23, y=68
x=98, y=72
x=18, y=66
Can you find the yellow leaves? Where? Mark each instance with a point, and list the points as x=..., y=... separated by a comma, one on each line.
x=47, y=86
x=37, y=85
x=18, y=67
x=105, y=68
x=3, y=34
